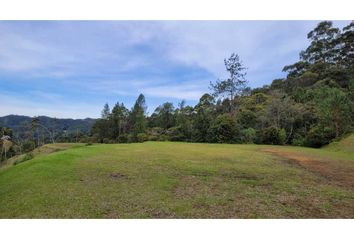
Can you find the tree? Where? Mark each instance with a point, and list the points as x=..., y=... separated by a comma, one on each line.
x=346, y=42
x=223, y=129
x=164, y=115
x=333, y=109
x=184, y=121
x=323, y=44
x=235, y=84
x=105, y=112
x=119, y=118
x=36, y=124
x=137, y=116
x=204, y=112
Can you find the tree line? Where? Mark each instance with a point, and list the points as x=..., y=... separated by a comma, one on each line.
x=311, y=106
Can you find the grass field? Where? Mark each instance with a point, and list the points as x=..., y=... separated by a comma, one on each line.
x=181, y=180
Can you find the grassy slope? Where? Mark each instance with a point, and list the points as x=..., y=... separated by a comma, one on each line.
x=175, y=180
x=40, y=151
x=345, y=145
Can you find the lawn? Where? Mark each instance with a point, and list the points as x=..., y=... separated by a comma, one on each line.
x=181, y=180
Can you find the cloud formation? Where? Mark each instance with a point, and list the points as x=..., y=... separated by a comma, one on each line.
x=46, y=65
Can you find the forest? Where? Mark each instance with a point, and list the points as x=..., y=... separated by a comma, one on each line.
x=311, y=106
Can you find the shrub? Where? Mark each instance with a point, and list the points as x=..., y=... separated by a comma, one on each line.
x=123, y=138
x=273, y=135
x=281, y=136
x=247, y=119
x=248, y=135
x=223, y=129
x=27, y=157
x=298, y=141
x=28, y=146
x=141, y=137
x=105, y=140
x=131, y=138
x=175, y=134
x=153, y=138
x=318, y=136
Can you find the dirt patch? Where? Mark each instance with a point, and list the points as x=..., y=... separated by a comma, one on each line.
x=341, y=175
x=235, y=175
x=118, y=175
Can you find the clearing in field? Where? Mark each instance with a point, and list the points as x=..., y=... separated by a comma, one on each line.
x=181, y=180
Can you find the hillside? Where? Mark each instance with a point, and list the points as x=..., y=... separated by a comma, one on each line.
x=180, y=180
x=39, y=151
x=16, y=122
x=345, y=145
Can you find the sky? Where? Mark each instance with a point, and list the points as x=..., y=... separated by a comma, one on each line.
x=70, y=69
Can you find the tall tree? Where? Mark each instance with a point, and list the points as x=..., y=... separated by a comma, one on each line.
x=346, y=42
x=323, y=42
x=119, y=118
x=137, y=117
x=235, y=84
x=105, y=112
x=204, y=113
x=164, y=115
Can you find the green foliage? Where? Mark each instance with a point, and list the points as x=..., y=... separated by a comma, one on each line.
x=248, y=135
x=141, y=137
x=247, y=119
x=27, y=157
x=224, y=129
x=273, y=135
x=312, y=106
x=318, y=136
x=105, y=112
x=28, y=146
x=235, y=84
x=137, y=116
x=334, y=109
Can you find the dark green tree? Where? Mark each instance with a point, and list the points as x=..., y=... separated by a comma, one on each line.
x=137, y=116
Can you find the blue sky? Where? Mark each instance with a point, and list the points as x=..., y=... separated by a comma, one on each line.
x=69, y=69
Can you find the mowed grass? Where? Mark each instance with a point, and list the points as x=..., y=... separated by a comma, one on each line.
x=179, y=180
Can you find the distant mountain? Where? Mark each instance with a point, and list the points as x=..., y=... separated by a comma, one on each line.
x=16, y=123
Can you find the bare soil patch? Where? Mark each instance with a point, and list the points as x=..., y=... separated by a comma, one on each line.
x=117, y=175
x=342, y=175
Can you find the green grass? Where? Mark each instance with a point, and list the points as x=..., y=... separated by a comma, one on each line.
x=176, y=180
x=345, y=145
x=40, y=151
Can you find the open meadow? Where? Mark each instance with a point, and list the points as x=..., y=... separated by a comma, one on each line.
x=181, y=180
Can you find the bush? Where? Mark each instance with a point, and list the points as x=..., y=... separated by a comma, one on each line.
x=223, y=129
x=153, y=138
x=175, y=134
x=273, y=135
x=141, y=137
x=247, y=119
x=123, y=138
x=282, y=136
x=298, y=140
x=106, y=140
x=131, y=138
x=28, y=146
x=27, y=157
x=248, y=135
x=319, y=136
